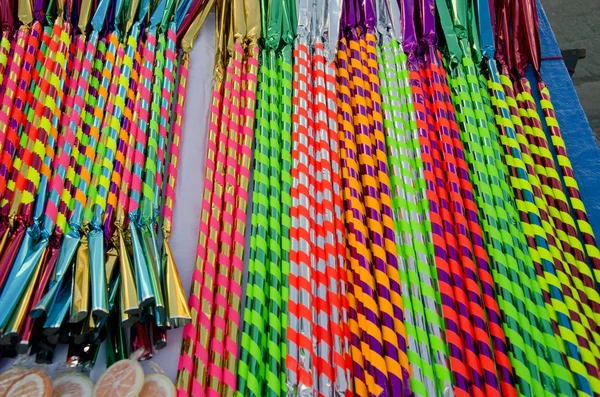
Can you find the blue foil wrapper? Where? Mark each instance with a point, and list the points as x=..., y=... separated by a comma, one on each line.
x=142, y=276
x=65, y=257
x=100, y=307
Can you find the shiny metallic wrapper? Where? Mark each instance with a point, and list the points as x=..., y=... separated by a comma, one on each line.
x=145, y=291
x=128, y=302
x=81, y=283
x=177, y=307
x=98, y=274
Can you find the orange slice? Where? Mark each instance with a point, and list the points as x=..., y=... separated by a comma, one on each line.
x=72, y=385
x=158, y=385
x=7, y=378
x=34, y=384
x=124, y=378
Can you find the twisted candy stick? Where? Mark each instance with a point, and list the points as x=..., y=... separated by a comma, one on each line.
x=568, y=176
x=218, y=330
x=537, y=237
x=300, y=357
x=323, y=163
x=188, y=346
x=369, y=316
x=454, y=335
x=249, y=82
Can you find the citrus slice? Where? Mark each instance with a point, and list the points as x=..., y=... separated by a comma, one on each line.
x=124, y=378
x=158, y=385
x=72, y=385
x=34, y=384
x=7, y=378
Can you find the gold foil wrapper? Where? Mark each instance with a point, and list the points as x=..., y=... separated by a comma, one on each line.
x=110, y=263
x=128, y=292
x=176, y=301
x=187, y=42
x=219, y=71
x=252, y=11
x=81, y=283
x=131, y=17
x=239, y=19
x=84, y=15
x=14, y=327
x=25, y=12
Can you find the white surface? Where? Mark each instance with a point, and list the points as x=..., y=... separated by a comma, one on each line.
x=188, y=195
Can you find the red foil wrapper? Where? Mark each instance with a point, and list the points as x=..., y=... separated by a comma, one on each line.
x=140, y=340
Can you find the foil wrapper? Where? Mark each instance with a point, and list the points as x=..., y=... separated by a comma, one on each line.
x=140, y=340
x=81, y=283
x=177, y=307
x=154, y=271
x=50, y=258
x=128, y=301
x=13, y=330
x=65, y=257
x=98, y=273
x=116, y=343
x=10, y=252
x=59, y=310
x=18, y=284
x=145, y=291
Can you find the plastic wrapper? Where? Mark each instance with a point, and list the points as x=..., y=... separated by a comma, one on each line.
x=427, y=14
x=486, y=29
x=445, y=19
x=8, y=20
x=502, y=34
x=409, y=31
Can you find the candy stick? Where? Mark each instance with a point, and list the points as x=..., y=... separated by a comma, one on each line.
x=12, y=85
x=251, y=366
x=482, y=269
x=536, y=236
x=566, y=228
x=407, y=254
x=454, y=336
x=187, y=356
x=178, y=311
x=37, y=158
x=5, y=48
x=376, y=377
x=72, y=237
x=332, y=143
x=285, y=70
x=385, y=195
x=207, y=297
x=457, y=251
x=112, y=73
x=249, y=81
x=532, y=289
x=571, y=187
x=300, y=357
x=146, y=267
x=379, y=214
x=402, y=177
x=89, y=142
x=582, y=322
x=321, y=380
x=120, y=184
x=339, y=362
x=215, y=366
x=565, y=263
x=14, y=109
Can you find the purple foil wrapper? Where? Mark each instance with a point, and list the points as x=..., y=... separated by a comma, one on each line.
x=427, y=13
x=410, y=43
